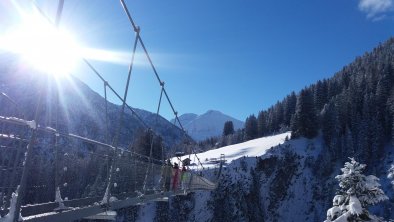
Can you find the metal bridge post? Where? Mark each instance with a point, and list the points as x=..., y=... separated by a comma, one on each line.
x=21, y=190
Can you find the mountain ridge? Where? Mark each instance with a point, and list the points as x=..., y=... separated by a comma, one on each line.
x=208, y=124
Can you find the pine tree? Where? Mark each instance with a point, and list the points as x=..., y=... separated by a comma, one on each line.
x=270, y=120
x=289, y=108
x=261, y=124
x=320, y=94
x=356, y=193
x=377, y=139
x=333, y=89
x=228, y=128
x=278, y=116
x=145, y=141
x=390, y=106
x=392, y=132
x=251, y=128
x=382, y=94
x=348, y=142
x=305, y=120
x=329, y=122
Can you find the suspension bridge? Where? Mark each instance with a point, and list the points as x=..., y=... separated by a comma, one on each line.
x=44, y=175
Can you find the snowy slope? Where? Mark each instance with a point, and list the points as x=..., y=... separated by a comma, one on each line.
x=209, y=124
x=251, y=148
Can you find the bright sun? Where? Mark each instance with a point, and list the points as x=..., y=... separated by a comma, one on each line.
x=43, y=46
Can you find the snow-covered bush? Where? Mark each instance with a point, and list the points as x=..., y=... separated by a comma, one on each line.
x=355, y=194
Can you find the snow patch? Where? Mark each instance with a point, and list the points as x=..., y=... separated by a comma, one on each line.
x=59, y=200
x=10, y=216
x=104, y=200
x=355, y=206
x=112, y=199
x=390, y=174
x=32, y=124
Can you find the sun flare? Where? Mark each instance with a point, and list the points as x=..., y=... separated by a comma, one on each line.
x=43, y=46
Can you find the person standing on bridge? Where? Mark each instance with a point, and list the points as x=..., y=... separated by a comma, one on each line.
x=184, y=179
x=166, y=176
x=175, y=176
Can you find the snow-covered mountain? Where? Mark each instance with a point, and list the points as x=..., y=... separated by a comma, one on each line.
x=206, y=125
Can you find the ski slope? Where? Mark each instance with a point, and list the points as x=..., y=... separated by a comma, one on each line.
x=251, y=148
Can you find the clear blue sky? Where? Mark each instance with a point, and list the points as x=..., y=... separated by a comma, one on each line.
x=235, y=56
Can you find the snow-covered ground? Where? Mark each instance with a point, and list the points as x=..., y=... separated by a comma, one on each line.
x=251, y=148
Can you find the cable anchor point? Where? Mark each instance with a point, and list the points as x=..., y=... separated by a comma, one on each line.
x=137, y=30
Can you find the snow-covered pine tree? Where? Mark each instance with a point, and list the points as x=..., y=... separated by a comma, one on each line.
x=390, y=174
x=356, y=193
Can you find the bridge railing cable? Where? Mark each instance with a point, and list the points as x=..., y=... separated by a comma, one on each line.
x=83, y=175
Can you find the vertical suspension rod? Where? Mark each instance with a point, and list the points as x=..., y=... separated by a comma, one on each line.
x=152, y=140
x=27, y=162
x=106, y=113
x=116, y=139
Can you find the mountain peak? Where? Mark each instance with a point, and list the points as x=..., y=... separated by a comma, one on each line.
x=213, y=111
x=206, y=125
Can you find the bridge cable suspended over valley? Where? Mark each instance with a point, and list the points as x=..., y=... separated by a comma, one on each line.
x=113, y=176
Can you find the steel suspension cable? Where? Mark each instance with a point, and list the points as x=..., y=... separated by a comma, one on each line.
x=135, y=27
x=116, y=94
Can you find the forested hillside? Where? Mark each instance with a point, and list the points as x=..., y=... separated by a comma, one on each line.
x=354, y=109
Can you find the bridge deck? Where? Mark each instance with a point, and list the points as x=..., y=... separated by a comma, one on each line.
x=76, y=213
